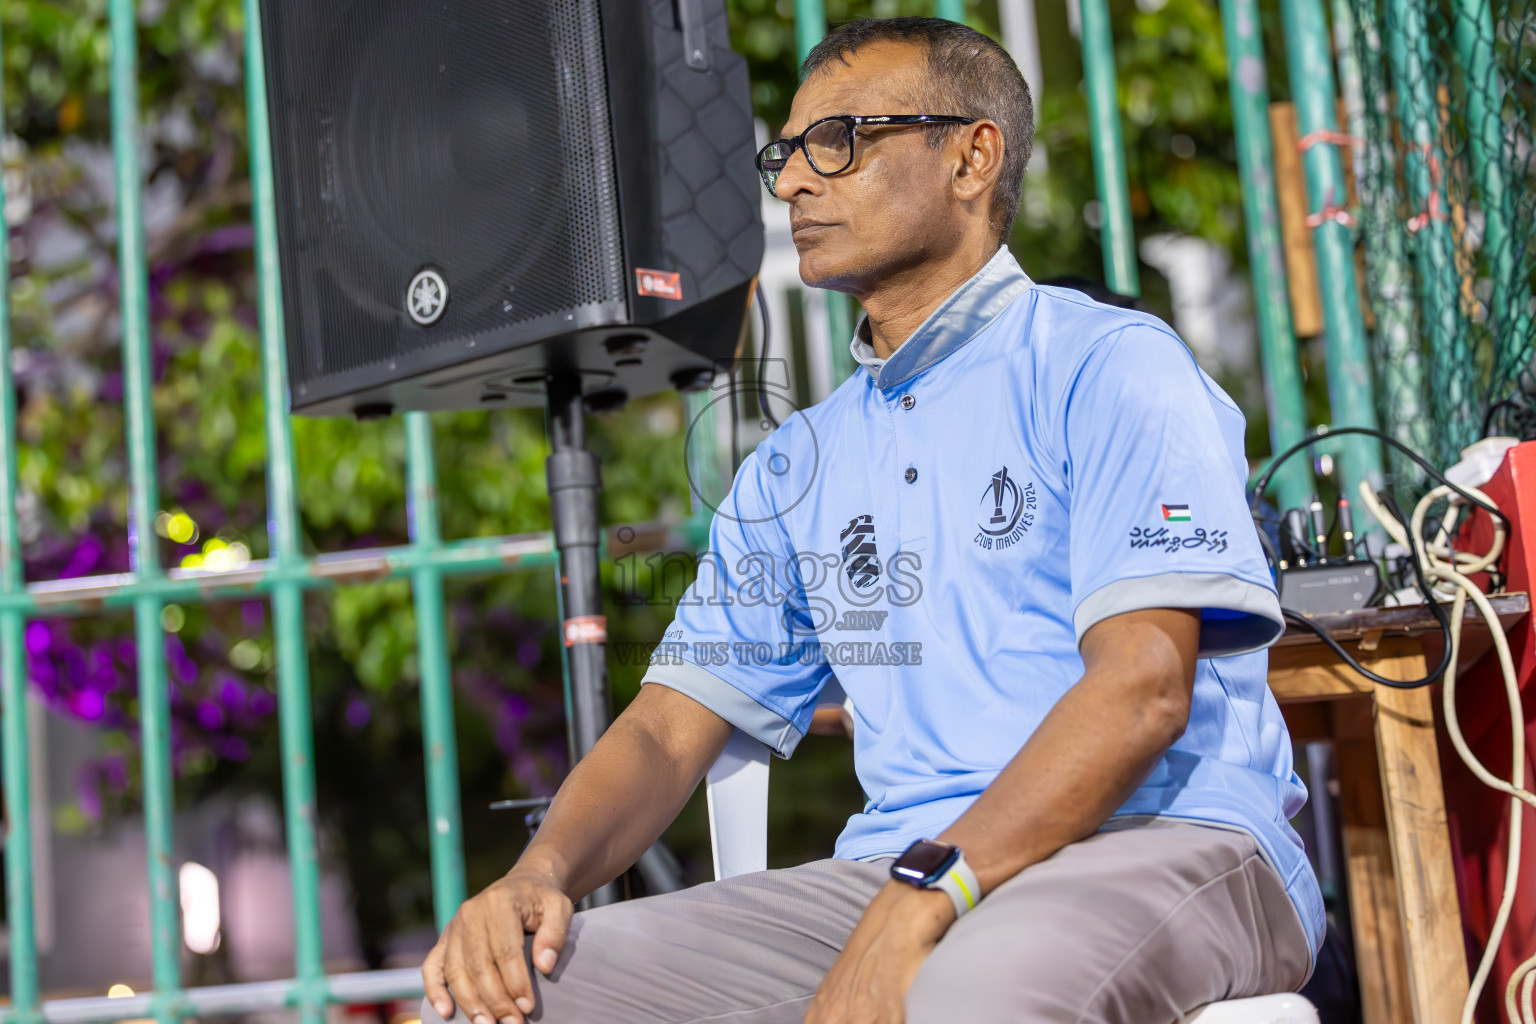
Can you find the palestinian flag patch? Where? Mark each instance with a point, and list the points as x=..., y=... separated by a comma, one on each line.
x=1175, y=513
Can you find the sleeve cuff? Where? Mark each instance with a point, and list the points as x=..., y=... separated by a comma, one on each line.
x=1237, y=617
x=766, y=726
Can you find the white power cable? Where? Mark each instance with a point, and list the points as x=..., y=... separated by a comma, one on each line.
x=1444, y=565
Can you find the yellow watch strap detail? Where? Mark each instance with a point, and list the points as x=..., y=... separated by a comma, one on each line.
x=970, y=901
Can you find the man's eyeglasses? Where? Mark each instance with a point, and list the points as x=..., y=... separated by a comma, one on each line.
x=828, y=144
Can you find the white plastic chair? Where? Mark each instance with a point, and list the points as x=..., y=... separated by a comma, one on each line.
x=736, y=790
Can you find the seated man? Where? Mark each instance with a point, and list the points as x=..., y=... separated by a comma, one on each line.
x=1017, y=537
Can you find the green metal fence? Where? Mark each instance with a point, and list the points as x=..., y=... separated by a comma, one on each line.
x=284, y=577
x=287, y=574
x=1445, y=123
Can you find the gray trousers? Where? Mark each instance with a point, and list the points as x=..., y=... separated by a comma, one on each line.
x=1141, y=924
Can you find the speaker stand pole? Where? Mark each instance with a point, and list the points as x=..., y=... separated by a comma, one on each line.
x=574, y=480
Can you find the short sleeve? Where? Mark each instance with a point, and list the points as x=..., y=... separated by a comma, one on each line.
x=1154, y=466
x=742, y=642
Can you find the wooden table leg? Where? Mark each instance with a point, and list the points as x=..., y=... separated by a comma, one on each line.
x=1421, y=848
x=1380, y=960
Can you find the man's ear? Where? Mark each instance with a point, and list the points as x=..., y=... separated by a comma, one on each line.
x=981, y=160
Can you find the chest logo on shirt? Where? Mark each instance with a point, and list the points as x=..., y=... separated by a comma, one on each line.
x=859, y=559
x=1007, y=512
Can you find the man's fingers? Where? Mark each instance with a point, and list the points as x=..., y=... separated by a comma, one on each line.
x=471, y=1007
x=511, y=964
x=549, y=939
x=433, y=981
x=484, y=966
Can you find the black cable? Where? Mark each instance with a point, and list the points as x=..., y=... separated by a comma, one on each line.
x=1344, y=656
x=762, y=357
x=1420, y=580
x=735, y=400
x=1262, y=484
x=1493, y=410
x=1269, y=550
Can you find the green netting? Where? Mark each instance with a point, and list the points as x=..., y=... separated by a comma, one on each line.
x=1440, y=106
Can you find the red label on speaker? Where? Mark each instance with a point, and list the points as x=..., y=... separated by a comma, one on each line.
x=659, y=283
x=586, y=629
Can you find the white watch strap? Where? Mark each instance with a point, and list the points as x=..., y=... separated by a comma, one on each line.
x=961, y=885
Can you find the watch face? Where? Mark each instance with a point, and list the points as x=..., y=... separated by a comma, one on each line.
x=924, y=862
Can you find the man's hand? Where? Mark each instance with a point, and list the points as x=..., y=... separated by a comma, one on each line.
x=1087, y=757
x=648, y=763
x=480, y=954
x=868, y=983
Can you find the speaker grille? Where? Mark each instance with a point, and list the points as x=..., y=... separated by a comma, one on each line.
x=469, y=137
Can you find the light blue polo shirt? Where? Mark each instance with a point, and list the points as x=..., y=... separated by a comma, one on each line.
x=940, y=532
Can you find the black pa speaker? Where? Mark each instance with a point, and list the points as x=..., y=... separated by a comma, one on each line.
x=474, y=193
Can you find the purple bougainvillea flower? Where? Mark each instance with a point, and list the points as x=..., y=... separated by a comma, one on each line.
x=39, y=638
x=231, y=238
x=103, y=672
x=507, y=736
x=209, y=715
x=253, y=614
x=86, y=556
x=357, y=713
x=234, y=748
x=88, y=704
x=87, y=794
x=529, y=653
x=115, y=771
x=183, y=668
x=111, y=387
x=75, y=666
x=44, y=676
x=262, y=702
x=231, y=692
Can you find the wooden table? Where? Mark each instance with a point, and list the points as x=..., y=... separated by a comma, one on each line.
x=1408, y=940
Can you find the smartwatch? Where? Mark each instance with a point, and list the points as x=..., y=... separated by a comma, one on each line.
x=930, y=864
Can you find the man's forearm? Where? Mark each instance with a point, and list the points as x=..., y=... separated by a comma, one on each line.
x=622, y=795
x=1085, y=760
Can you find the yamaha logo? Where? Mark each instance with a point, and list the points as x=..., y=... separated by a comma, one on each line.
x=427, y=297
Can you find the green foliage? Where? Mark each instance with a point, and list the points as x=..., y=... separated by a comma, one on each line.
x=351, y=483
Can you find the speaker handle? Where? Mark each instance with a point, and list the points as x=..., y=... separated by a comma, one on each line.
x=695, y=38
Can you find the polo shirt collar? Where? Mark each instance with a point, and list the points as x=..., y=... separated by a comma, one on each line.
x=958, y=319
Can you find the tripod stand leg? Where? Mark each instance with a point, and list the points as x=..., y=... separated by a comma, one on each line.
x=573, y=484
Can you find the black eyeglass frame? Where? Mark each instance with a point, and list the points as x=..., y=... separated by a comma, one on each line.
x=851, y=123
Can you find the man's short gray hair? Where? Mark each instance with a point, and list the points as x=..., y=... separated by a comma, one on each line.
x=968, y=74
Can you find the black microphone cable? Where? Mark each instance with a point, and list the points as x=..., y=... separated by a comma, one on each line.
x=762, y=355
x=1421, y=582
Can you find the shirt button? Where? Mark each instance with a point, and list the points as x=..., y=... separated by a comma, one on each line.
x=911, y=475
x=908, y=401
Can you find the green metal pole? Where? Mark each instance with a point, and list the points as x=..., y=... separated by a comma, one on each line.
x=1398, y=355
x=18, y=796
x=439, y=740
x=13, y=678
x=703, y=457
x=1247, y=77
x=1350, y=392
x=1509, y=312
x=293, y=697
x=951, y=10
x=144, y=500
x=1433, y=247
x=1117, y=238
x=840, y=329
x=810, y=27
